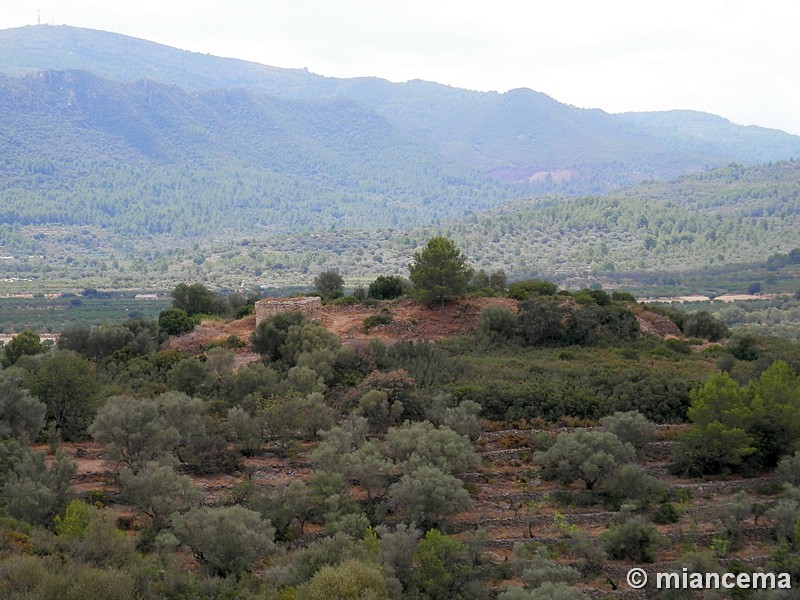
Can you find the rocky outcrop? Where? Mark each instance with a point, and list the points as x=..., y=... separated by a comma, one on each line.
x=311, y=307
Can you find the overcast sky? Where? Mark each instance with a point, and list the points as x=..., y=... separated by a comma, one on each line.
x=736, y=58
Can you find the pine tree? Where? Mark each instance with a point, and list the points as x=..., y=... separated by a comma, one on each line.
x=440, y=272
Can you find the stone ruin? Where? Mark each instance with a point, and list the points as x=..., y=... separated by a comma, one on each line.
x=311, y=307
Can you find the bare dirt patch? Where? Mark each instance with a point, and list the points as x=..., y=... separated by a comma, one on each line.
x=411, y=321
x=657, y=325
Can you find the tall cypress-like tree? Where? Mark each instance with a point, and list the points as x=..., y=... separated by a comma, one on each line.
x=440, y=272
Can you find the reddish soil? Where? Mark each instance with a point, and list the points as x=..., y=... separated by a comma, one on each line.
x=412, y=321
x=657, y=324
x=511, y=501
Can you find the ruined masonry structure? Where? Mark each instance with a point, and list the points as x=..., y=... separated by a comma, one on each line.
x=311, y=307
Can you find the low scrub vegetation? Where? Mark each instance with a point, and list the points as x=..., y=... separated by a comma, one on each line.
x=538, y=456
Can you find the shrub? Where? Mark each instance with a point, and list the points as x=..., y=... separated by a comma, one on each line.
x=197, y=299
x=329, y=285
x=618, y=296
x=175, y=321
x=702, y=324
x=349, y=300
x=382, y=318
x=634, y=540
x=666, y=514
x=232, y=342
x=270, y=335
x=386, y=287
x=522, y=290
x=497, y=323
x=679, y=346
x=743, y=346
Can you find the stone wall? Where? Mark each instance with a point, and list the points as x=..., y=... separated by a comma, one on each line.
x=311, y=307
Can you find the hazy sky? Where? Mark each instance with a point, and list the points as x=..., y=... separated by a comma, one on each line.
x=736, y=58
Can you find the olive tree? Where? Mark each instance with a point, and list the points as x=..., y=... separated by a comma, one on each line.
x=589, y=456
x=350, y=580
x=371, y=469
x=630, y=426
x=229, y=539
x=31, y=490
x=422, y=444
x=158, y=491
x=375, y=407
x=68, y=386
x=21, y=415
x=633, y=540
x=428, y=495
x=539, y=569
x=788, y=470
x=547, y=591
x=134, y=432
x=630, y=484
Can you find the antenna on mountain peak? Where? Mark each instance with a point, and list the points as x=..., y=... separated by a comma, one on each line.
x=38, y=16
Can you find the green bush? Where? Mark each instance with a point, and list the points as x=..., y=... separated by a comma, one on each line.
x=702, y=324
x=386, y=287
x=382, y=318
x=617, y=296
x=349, y=300
x=666, y=514
x=634, y=540
x=175, y=321
x=25, y=343
x=679, y=346
x=522, y=290
x=329, y=285
x=497, y=323
x=232, y=342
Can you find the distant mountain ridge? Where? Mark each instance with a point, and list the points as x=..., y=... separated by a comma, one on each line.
x=519, y=136
x=149, y=158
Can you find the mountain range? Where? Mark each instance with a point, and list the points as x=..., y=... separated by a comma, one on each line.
x=110, y=142
x=518, y=136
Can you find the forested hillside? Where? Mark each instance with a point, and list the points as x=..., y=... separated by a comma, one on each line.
x=146, y=158
x=726, y=216
x=717, y=221
x=151, y=165
x=519, y=136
